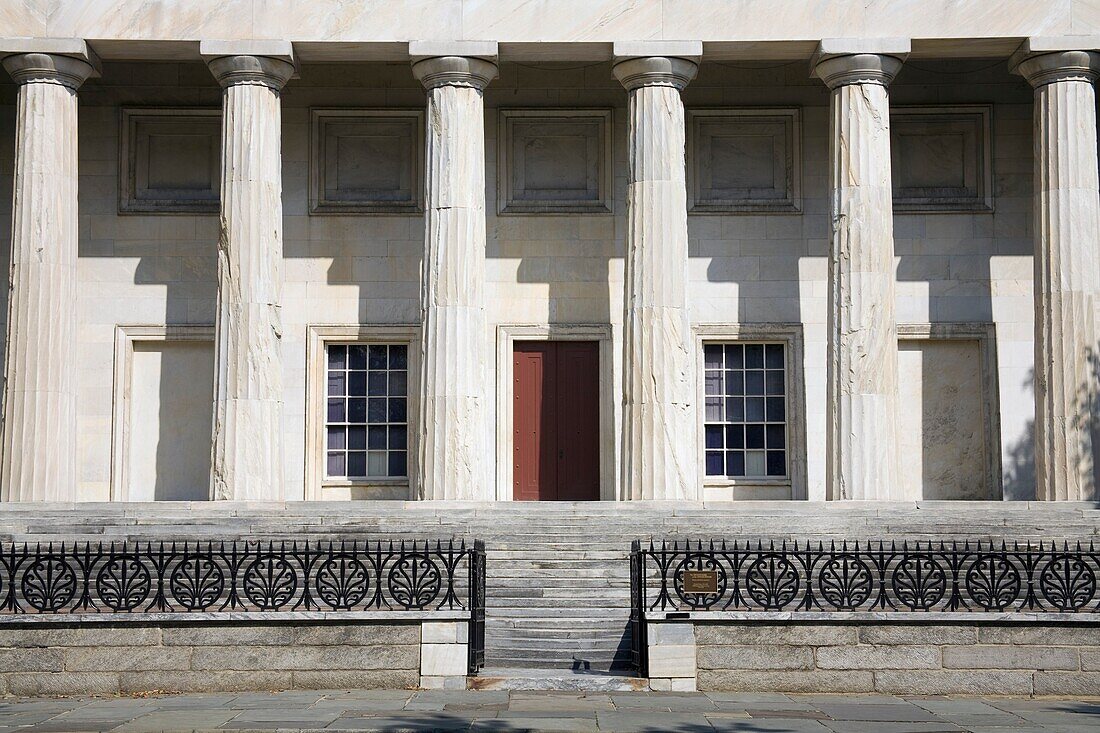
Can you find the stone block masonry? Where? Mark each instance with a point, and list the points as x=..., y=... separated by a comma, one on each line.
x=82, y=659
x=915, y=658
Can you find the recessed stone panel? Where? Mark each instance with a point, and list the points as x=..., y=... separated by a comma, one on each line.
x=366, y=161
x=171, y=161
x=554, y=161
x=742, y=161
x=940, y=159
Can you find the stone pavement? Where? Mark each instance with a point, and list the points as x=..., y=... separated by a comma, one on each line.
x=507, y=712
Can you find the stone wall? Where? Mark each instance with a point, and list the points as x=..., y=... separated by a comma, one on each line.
x=925, y=658
x=83, y=658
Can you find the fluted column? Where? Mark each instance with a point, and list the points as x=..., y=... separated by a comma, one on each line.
x=861, y=443
x=456, y=448
x=1067, y=235
x=659, y=459
x=39, y=449
x=248, y=387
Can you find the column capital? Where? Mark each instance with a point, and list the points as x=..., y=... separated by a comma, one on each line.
x=841, y=61
x=648, y=71
x=66, y=61
x=267, y=63
x=1047, y=68
x=454, y=71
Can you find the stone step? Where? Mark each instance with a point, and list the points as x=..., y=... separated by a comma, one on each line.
x=497, y=678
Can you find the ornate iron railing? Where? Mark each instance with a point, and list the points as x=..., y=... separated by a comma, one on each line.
x=866, y=576
x=245, y=576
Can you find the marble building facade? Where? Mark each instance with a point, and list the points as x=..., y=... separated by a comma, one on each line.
x=886, y=217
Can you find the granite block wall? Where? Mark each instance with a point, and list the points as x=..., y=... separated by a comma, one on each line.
x=91, y=658
x=919, y=658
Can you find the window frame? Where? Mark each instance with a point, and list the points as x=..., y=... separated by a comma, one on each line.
x=319, y=486
x=793, y=485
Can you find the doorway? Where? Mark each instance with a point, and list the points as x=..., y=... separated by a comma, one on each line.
x=556, y=421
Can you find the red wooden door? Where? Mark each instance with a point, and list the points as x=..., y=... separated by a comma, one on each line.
x=555, y=414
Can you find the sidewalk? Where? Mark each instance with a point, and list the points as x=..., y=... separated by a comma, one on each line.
x=403, y=710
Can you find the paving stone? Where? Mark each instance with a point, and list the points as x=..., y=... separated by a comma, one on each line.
x=852, y=726
x=511, y=725
x=654, y=721
x=176, y=720
x=412, y=723
x=779, y=725
x=904, y=712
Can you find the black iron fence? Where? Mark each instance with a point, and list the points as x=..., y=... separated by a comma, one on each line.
x=246, y=576
x=866, y=576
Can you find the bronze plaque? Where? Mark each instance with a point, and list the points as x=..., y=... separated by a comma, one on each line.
x=701, y=581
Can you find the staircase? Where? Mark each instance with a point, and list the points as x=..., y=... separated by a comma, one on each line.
x=558, y=596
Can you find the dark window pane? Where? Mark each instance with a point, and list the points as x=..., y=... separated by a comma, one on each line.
x=754, y=409
x=713, y=409
x=376, y=384
x=714, y=463
x=713, y=382
x=336, y=437
x=777, y=463
x=376, y=437
x=735, y=356
x=357, y=357
x=735, y=463
x=337, y=381
x=357, y=464
x=398, y=384
x=377, y=410
x=714, y=436
x=378, y=357
x=357, y=409
x=735, y=436
x=357, y=437
x=754, y=356
x=773, y=355
x=399, y=357
x=397, y=463
x=776, y=409
x=754, y=382
x=735, y=409
x=336, y=464
x=774, y=382
x=776, y=435
x=337, y=357
x=397, y=409
x=357, y=384
x=735, y=384
x=336, y=410
x=754, y=436
x=399, y=437
x=712, y=356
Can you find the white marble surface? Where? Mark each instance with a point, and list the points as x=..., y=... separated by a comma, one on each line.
x=40, y=378
x=1067, y=228
x=862, y=439
x=546, y=20
x=247, y=458
x=455, y=456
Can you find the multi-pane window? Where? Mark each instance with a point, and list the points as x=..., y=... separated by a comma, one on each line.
x=366, y=422
x=745, y=421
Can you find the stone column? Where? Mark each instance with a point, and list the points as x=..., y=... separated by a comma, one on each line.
x=862, y=458
x=456, y=445
x=659, y=460
x=1067, y=234
x=247, y=458
x=40, y=448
